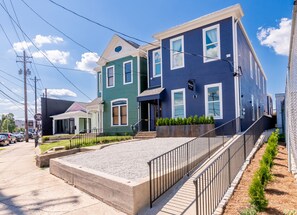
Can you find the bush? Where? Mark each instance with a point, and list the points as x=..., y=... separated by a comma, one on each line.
x=248, y=211
x=185, y=121
x=257, y=195
x=190, y=120
x=196, y=120
x=44, y=139
x=166, y=121
x=264, y=174
x=267, y=160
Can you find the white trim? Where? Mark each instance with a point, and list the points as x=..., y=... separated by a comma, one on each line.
x=235, y=11
x=161, y=48
x=148, y=69
x=253, y=108
x=172, y=101
x=138, y=75
x=182, y=52
x=220, y=99
x=106, y=70
x=251, y=66
x=100, y=88
x=124, y=72
x=111, y=106
x=256, y=73
x=207, y=59
x=149, y=116
x=153, y=57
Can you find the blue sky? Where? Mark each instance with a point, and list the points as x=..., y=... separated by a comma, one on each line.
x=263, y=20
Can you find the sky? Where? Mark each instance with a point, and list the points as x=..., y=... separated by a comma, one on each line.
x=77, y=44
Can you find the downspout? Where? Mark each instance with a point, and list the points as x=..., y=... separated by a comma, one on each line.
x=236, y=77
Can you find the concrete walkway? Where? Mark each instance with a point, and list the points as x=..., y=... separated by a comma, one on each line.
x=26, y=189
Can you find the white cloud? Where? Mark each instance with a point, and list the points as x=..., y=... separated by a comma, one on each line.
x=39, y=40
x=277, y=38
x=20, y=46
x=60, y=93
x=87, y=62
x=55, y=56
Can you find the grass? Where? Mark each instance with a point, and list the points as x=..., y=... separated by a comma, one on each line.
x=2, y=149
x=87, y=142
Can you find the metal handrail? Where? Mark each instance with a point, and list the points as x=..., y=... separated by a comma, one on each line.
x=170, y=167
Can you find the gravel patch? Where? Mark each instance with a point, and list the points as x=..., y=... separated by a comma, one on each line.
x=126, y=160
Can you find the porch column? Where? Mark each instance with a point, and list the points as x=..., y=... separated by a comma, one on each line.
x=54, y=127
x=76, y=124
x=88, y=123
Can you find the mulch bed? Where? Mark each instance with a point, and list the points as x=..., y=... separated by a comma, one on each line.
x=281, y=192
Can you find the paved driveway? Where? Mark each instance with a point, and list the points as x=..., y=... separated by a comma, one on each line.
x=26, y=189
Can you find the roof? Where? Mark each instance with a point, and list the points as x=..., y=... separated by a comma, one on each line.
x=77, y=106
x=96, y=101
x=232, y=11
x=68, y=115
x=135, y=45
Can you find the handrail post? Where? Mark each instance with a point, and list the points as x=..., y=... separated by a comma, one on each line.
x=196, y=194
x=150, y=176
x=187, y=159
x=244, y=144
x=229, y=166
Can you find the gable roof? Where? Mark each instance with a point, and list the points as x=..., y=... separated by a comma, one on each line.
x=232, y=11
x=77, y=106
x=128, y=48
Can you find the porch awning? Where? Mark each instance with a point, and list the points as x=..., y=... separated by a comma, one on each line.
x=150, y=94
x=71, y=114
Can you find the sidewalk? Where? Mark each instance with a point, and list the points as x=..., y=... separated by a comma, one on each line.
x=26, y=189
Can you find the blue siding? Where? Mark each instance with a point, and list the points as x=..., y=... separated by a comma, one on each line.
x=153, y=81
x=247, y=84
x=204, y=73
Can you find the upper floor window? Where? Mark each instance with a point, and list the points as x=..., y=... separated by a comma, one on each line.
x=157, y=63
x=127, y=72
x=110, y=76
x=119, y=111
x=178, y=103
x=251, y=65
x=177, y=52
x=213, y=100
x=211, y=43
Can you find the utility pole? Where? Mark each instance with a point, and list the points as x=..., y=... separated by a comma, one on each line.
x=35, y=88
x=24, y=60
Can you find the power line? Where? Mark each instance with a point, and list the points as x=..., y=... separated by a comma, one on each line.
x=15, y=14
x=11, y=91
x=46, y=56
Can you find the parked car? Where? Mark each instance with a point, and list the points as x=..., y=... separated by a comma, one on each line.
x=8, y=136
x=13, y=138
x=19, y=137
x=3, y=140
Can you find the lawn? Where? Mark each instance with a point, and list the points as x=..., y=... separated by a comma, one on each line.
x=76, y=143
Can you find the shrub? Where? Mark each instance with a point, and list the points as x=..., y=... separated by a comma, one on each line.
x=195, y=120
x=248, y=211
x=257, y=195
x=202, y=119
x=44, y=139
x=166, y=121
x=267, y=160
x=172, y=121
x=264, y=174
x=190, y=120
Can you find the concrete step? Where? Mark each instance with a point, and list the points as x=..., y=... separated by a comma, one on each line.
x=145, y=135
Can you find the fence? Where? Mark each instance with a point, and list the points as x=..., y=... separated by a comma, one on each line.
x=169, y=168
x=215, y=179
x=85, y=137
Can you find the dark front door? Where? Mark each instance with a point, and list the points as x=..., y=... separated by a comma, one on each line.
x=71, y=126
x=155, y=114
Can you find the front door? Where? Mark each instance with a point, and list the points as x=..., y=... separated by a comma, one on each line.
x=71, y=126
x=156, y=114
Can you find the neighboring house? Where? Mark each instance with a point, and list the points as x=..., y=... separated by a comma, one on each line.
x=206, y=66
x=50, y=107
x=280, y=111
x=80, y=117
x=121, y=78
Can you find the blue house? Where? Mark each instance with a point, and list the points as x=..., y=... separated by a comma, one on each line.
x=206, y=66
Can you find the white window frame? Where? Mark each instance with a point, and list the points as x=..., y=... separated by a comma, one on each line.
x=124, y=72
x=205, y=58
x=256, y=72
x=251, y=66
x=172, y=101
x=206, y=99
x=100, y=82
x=154, y=68
x=259, y=78
x=253, y=108
x=263, y=84
x=172, y=52
x=111, y=106
x=106, y=74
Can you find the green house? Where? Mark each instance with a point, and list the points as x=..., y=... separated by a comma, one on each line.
x=122, y=76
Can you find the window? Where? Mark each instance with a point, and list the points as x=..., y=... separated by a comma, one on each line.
x=127, y=72
x=100, y=83
x=110, y=77
x=157, y=63
x=211, y=43
x=119, y=112
x=259, y=78
x=178, y=103
x=177, y=52
x=251, y=65
x=213, y=100
x=253, y=108
x=256, y=73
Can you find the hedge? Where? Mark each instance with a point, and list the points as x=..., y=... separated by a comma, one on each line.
x=185, y=121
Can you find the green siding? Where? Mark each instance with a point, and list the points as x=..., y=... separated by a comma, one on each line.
x=128, y=91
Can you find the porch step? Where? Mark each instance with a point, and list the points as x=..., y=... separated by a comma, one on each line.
x=146, y=135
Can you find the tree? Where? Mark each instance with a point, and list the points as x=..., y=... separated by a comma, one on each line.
x=8, y=123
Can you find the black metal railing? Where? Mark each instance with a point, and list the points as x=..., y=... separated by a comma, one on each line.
x=169, y=168
x=85, y=137
x=216, y=177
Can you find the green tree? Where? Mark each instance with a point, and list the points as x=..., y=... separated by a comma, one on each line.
x=8, y=123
